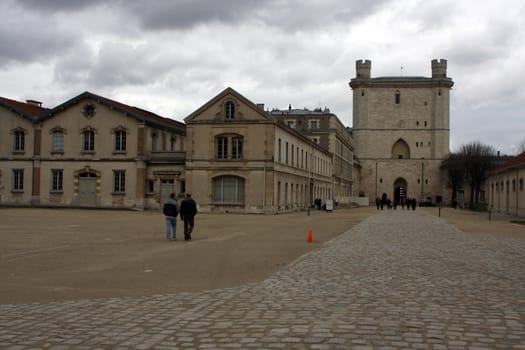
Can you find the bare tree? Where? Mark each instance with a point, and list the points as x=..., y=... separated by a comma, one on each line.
x=521, y=147
x=454, y=166
x=478, y=159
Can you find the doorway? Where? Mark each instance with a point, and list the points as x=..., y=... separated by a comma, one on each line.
x=167, y=187
x=400, y=191
x=87, y=189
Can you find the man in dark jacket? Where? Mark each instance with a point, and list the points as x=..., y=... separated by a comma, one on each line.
x=170, y=211
x=188, y=210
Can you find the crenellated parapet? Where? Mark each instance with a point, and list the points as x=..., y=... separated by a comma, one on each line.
x=363, y=69
x=439, y=68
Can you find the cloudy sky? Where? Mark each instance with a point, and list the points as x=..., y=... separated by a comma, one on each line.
x=171, y=56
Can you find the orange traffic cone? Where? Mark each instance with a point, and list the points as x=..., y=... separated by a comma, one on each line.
x=310, y=237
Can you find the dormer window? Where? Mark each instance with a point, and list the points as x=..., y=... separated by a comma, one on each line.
x=229, y=110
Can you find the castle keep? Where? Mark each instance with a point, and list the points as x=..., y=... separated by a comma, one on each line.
x=401, y=132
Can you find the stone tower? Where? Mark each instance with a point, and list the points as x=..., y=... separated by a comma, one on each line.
x=401, y=132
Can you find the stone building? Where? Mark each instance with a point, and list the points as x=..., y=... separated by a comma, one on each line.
x=325, y=129
x=401, y=132
x=89, y=152
x=242, y=159
x=19, y=143
x=232, y=155
x=505, y=187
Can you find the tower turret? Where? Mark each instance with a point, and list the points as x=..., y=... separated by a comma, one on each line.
x=439, y=68
x=363, y=68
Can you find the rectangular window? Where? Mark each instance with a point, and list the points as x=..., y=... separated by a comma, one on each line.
x=228, y=190
x=19, y=141
x=306, y=161
x=88, y=141
x=222, y=148
x=237, y=148
x=57, y=142
x=120, y=141
x=286, y=153
x=313, y=124
x=119, y=181
x=279, y=150
x=291, y=124
x=292, y=154
x=18, y=180
x=57, y=177
x=151, y=186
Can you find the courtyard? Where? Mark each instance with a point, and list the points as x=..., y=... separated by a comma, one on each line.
x=77, y=279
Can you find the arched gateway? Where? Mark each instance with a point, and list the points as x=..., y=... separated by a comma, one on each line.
x=400, y=190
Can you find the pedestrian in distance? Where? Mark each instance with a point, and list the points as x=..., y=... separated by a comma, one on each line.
x=170, y=210
x=188, y=210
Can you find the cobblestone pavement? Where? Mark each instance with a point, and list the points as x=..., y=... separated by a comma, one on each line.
x=397, y=280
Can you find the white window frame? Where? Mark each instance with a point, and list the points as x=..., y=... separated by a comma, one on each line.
x=119, y=181
x=57, y=180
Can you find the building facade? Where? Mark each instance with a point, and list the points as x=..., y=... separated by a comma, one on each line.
x=19, y=142
x=325, y=129
x=231, y=154
x=506, y=189
x=401, y=133
x=241, y=159
x=90, y=152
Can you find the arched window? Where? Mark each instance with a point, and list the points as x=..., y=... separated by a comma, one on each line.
x=229, y=110
x=228, y=190
x=400, y=150
x=398, y=97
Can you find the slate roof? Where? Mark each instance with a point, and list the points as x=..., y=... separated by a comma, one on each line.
x=132, y=111
x=516, y=162
x=26, y=110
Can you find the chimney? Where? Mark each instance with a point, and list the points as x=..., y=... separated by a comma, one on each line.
x=260, y=106
x=34, y=103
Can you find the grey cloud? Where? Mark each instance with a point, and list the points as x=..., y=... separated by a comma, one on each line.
x=305, y=14
x=114, y=64
x=58, y=5
x=25, y=37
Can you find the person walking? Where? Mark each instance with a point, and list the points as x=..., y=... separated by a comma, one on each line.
x=170, y=210
x=188, y=210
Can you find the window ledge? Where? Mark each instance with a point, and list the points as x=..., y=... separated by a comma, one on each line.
x=228, y=204
x=120, y=152
x=56, y=192
x=61, y=153
x=19, y=152
x=88, y=152
x=118, y=193
x=17, y=191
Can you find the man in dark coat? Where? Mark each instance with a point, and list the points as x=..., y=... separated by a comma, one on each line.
x=170, y=211
x=188, y=210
